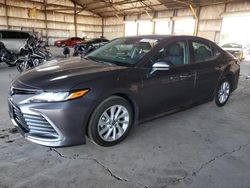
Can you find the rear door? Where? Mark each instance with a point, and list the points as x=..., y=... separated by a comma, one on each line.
x=206, y=62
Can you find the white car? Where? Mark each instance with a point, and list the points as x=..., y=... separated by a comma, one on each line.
x=235, y=49
x=14, y=40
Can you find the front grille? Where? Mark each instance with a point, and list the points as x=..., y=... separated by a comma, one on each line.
x=18, y=91
x=18, y=117
x=35, y=125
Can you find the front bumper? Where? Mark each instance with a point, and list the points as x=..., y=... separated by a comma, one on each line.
x=51, y=124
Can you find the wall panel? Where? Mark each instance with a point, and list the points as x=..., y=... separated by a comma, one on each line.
x=60, y=24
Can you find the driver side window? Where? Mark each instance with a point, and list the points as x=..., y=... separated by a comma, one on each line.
x=175, y=54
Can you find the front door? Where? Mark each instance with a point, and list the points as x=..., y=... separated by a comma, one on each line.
x=166, y=89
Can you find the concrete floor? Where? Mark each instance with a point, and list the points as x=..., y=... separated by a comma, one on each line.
x=204, y=146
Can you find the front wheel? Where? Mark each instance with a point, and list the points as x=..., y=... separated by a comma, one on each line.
x=222, y=92
x=21, y=65
x=110, y=122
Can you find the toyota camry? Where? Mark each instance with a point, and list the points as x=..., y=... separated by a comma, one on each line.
x=128, y=81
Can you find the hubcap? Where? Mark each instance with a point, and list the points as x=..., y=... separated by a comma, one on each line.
x=224, y=92
x=113, y=123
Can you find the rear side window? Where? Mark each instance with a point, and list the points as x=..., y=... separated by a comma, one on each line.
x=202, y=52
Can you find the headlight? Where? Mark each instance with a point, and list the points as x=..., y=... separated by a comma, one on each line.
x=55, y=96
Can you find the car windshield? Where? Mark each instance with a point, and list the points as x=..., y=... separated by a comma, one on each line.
x=124, y=51
x=231, y=45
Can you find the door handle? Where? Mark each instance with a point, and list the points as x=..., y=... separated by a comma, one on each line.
x=187, y=75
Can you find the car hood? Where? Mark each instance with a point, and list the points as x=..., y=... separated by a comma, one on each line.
x=64, y=75
x=233, y=49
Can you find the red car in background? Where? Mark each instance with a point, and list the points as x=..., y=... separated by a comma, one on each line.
x=70, y=42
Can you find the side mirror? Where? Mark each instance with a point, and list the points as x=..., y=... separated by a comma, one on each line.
x=160, y=65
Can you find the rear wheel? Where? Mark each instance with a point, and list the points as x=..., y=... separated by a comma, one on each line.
x=110, y=122
x=223, y=92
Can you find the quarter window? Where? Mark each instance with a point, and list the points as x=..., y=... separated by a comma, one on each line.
x=202, y=52
x=175, y=54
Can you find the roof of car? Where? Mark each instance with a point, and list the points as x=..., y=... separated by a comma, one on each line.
x=160, y=37
x=163, y=37
x=156, y=37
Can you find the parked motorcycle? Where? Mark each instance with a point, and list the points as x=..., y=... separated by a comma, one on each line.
x=85, y=50
x=6, y=56
x=42, y=46
x=35, y=54
x=92, y=43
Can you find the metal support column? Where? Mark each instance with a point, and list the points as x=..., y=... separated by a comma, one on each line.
x=102, y=27
x=46, y=21
x=172, y=21
x=196, y=15
x=6, y=14
x=75, y=19
x=154, y=16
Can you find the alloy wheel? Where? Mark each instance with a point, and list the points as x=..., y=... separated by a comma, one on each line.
x=224, y=92
x=113, y=123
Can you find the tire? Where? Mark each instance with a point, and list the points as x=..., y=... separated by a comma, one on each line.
x=102, y=124
x=222, y=92
x=19, y=65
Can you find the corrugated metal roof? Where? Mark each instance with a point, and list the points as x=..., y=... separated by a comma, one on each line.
x=106, y=8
